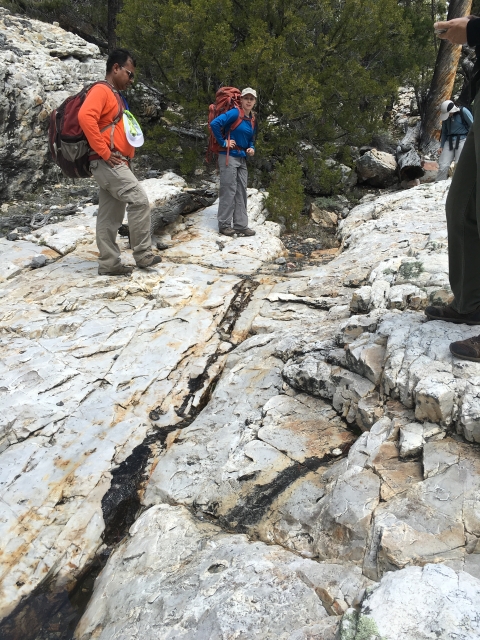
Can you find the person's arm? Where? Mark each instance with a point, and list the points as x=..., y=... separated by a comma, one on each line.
x=468, y=116
x=223, y=121
x=473, y=31
x=460, y=30
x=251, y=144
x=89, y=117
x=443, y=137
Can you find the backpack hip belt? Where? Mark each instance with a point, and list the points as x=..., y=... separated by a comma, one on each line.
x=117, y=154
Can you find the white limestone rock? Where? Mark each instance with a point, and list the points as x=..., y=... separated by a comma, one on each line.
x=344, y=516
x=159, y=190
x=40, y=65
x=411, y=439
x=73, y=411
x=200, y=242
x=377, y=168
x=17, y=256
x=64, y=238
x=177, y=577
x=429, y=522
x=218, y=463
x=419, y=603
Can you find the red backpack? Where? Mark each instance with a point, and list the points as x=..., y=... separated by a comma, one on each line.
x=67, y=142
x=226, y=98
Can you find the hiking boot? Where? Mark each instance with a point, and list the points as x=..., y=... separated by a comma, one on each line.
x=247, y=232
x=448, y=314
x=468, y=349
x=148, y=260
x=121, y=270
x=227, y=231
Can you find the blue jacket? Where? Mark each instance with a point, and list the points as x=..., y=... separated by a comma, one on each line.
x=243, y=134
x=454, y=126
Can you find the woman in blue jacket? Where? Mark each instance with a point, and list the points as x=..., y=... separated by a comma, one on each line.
x=233, y=178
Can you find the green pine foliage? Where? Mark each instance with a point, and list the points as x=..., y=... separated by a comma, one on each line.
x=420, y=57
x=286, y=196
x=324, y=70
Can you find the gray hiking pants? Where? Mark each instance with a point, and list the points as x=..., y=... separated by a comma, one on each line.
x=233, y=192
x=463, y=222
x=447, y=157
x=119, y=187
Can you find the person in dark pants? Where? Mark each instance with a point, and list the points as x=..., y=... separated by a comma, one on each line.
x=233, y=174
x=463, y=212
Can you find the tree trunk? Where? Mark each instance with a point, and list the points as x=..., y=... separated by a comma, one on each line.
x=114, y=7
x=408, y=160
x=443, y=79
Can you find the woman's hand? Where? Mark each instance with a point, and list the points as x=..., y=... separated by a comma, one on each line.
x=440, y=151
x=250, y=151
x=456, y=30
x=230, y=144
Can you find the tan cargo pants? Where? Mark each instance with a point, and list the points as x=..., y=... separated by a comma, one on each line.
x=119, y=187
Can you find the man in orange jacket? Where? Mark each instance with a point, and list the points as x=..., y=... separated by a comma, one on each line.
x=101, y=120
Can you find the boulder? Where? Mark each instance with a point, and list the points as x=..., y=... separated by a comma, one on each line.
x=377, y=168
x=177, y=577
x=418, y=603
x=323, y=217
x=431, y=169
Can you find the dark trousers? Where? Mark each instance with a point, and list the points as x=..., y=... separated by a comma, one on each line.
x=463, y=222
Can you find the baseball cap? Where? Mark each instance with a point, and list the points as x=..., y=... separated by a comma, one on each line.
x=446, y=108
x=249, y=90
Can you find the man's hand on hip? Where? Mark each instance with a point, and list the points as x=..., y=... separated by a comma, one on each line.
x=114, y=161
x=456, y=30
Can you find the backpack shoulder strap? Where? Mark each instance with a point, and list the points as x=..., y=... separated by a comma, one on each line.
x=466, y=124
x=118, y=117
x=239, y=120
x=120, y=102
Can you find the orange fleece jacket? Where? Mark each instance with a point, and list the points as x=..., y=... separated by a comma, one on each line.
x=99, y=110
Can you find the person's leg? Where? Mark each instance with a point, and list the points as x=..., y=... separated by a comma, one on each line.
x=240, y=218
x=463, y=215
x=228, y=188
x=458, y=152
x=109, y=218
x=139, y=219
x=124, y=188
x=444, y=162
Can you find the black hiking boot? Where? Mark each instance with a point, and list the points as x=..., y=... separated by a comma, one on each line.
x=148, y=260
x=121, y=270
x=448, y=314
x=227, y=231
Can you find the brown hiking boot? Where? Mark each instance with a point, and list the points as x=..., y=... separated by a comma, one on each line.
x=121, y=270
x=448, y=314
x=148, y=260
x=468, y=349
x=247, y=232
x=227, y=231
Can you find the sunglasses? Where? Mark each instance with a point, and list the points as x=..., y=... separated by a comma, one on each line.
x=131, y=75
